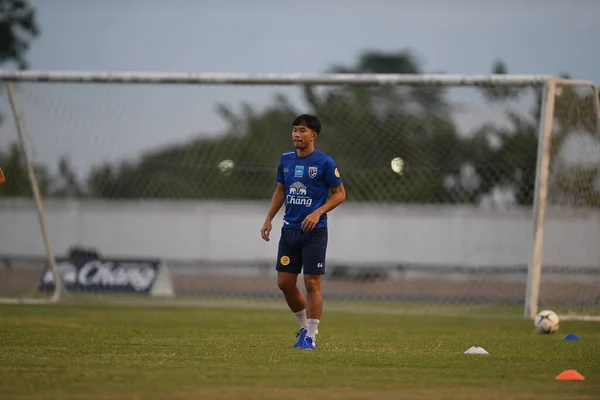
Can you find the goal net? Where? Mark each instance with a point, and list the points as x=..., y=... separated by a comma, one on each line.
x=153, y=188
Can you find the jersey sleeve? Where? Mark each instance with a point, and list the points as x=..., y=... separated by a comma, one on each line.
x=332, y=174
x=279, y=177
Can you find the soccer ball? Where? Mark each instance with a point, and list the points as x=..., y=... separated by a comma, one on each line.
x=397, y=165
x=546, y=321
x=226, y=166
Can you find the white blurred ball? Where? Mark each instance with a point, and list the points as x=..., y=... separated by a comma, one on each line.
x=397, y=165
x=226, y=166
x=546, y=321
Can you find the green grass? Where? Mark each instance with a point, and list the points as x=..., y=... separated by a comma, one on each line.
x=118, y=352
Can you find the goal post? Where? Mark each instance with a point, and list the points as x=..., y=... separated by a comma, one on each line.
x=36, y=193
x=548, y=180
x=539, y=200
x=464, y=191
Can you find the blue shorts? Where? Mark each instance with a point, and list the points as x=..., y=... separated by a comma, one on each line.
x=299, y=249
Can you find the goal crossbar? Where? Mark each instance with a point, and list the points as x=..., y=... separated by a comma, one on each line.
x=271, y=78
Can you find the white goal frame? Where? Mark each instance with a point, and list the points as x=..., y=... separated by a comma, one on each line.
x=548, y=82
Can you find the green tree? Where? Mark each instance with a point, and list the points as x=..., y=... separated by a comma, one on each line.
x=430, y=100
x=500, y=157
x=513, y=161
x=18, y=26
x=364, y=128
x=574, y=182
x=65, y=183
x=369, y=126
x=501, y=92
x=17, y=180
x=197, y=169
x=62, y=184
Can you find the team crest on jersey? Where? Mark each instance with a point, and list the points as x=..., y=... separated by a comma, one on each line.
x=312, y=171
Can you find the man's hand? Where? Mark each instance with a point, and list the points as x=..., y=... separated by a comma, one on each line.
x=276, y=203
x=310, y=221
x=266, y=230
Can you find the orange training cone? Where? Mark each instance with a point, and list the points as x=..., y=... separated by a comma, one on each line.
x=570, y=375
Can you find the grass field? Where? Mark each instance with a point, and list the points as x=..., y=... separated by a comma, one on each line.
x=122, y=352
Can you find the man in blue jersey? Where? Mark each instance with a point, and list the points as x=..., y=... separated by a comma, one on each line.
x=305, y=177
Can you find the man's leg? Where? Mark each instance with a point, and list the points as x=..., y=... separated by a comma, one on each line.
x=296, y=301
x=286, y=281
x=315, y=304
x=289, y=265
x=313, y=255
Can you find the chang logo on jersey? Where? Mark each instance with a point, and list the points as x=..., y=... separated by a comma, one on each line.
x=298, y=195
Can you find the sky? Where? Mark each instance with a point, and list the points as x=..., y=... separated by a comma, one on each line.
x=91, y=124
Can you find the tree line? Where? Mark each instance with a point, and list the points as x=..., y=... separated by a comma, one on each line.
x=364, y=128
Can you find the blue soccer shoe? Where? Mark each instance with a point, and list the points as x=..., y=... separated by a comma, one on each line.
x=309, y=344
x=301, y=334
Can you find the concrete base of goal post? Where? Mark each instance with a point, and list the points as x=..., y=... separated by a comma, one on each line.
x=163, y=286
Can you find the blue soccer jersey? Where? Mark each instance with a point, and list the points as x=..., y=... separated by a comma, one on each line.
x=307, y=181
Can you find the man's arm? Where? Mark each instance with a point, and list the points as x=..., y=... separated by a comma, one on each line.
x=276, y=203
x=338, y=195
x=336, y=186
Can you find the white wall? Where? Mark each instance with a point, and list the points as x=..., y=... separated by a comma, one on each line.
x=358, y=233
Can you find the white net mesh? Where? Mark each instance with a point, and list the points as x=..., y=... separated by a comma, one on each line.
x=185, y=173
x=571, y=268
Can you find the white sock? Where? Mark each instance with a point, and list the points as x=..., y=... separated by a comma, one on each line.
x=313, y=324
x=301, y=315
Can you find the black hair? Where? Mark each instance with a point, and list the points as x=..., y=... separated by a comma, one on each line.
x=311, y=121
